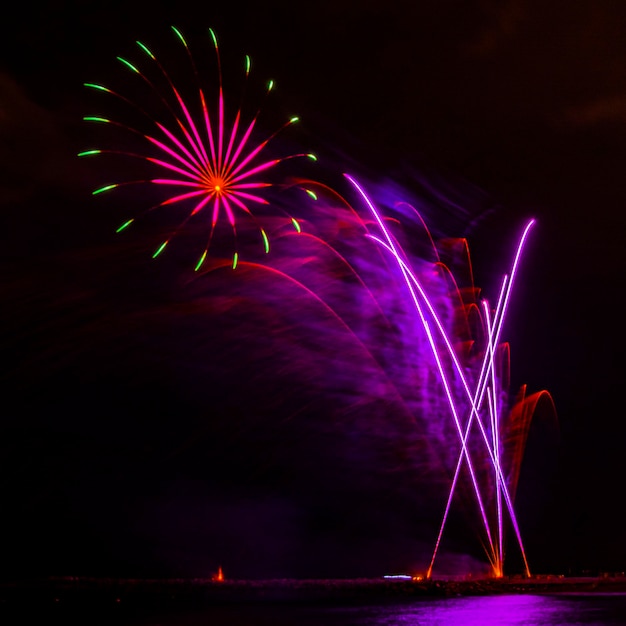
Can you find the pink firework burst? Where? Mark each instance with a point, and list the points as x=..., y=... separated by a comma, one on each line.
x=211, y=166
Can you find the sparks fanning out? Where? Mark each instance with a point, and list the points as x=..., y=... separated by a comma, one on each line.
x=212, y=165
x=424, y=349
x=474, y=390
x=481, y=401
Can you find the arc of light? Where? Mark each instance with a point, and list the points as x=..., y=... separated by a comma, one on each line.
x=333, y=314
x=498, y=324
x=305, y=183
x=344, y=262
x=464, y=453
x=425, y=228
x=477, y=399
x=474, y=400
x=493, y=339
x=442, y=373
x=495, y=431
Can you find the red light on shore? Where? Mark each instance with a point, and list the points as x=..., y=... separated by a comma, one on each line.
x=219, y=577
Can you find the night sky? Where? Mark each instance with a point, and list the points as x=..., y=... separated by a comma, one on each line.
x=157, y=423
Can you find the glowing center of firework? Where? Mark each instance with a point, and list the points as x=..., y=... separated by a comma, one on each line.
x=217, y=186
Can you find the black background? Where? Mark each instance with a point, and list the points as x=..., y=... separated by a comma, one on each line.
x=119, y=451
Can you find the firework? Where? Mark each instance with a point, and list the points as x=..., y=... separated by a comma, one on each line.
x=475, y=393
x=209, y=163
x=413, y=342
x=400, y=328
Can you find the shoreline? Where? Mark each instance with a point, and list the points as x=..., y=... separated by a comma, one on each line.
x=182, y=594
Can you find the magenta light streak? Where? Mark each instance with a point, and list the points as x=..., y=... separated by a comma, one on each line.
x=476, y=401
x=426, y=326
x=486, y=384
x=464, y=453
x=500, y=314
x=173, y=153
x=494, y=412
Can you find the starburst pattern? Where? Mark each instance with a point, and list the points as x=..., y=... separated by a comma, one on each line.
x=213, y=166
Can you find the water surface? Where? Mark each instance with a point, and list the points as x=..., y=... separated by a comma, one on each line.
x=502, y=610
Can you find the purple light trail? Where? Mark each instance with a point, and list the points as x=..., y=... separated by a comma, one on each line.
x=486, y=384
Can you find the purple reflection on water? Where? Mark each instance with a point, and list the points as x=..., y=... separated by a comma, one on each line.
x=592, y=609
x=505, y=610
x=498, y=610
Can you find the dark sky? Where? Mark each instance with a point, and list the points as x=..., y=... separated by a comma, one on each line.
x=160, y=424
